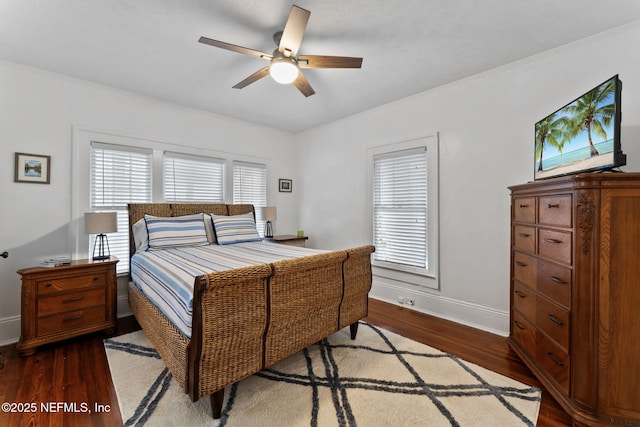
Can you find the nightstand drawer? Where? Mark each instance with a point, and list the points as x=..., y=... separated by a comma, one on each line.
x=73, y=282
x=71, y=320
x=70, y=301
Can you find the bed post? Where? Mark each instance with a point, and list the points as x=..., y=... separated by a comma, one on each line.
x=216, y=400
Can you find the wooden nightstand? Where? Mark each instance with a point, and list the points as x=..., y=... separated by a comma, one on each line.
x=66, y=301
x=288, y=239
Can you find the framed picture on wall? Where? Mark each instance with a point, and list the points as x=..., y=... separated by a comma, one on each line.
x=285, y=185
x=34, y=168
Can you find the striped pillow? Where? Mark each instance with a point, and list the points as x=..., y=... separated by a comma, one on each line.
x=235, y=228
x=187, y=230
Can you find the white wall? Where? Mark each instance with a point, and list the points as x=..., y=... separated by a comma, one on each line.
x=38, y=111
x=486, y=129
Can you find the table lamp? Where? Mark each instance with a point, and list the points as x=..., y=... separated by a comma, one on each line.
x=268, y=214
x=99, y=223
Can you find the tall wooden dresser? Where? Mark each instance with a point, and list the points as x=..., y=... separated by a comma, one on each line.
x=575, y=292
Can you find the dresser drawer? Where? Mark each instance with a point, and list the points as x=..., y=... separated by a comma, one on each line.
x=524, y=209
x=555, y=245
x=524, y=300
x=555, y=210
x=70, y=282
x=523, y=332
x=554, y=281
x=524, y=238
x=70, y=301
x=553, y=359
x=525, y=269
x=554, y=321
x=70, y=320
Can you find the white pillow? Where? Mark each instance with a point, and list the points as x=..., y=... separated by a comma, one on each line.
x=140, y=236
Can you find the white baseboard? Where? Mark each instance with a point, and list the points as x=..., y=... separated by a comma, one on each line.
x=9, y=330
x=474, y=315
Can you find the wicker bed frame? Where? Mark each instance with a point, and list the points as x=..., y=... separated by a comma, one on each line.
x=249, y=318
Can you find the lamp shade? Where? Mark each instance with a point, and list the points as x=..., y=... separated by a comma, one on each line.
x=268, y=213
x=100, y=222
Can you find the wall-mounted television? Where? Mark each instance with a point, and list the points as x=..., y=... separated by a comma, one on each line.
x=582, y=136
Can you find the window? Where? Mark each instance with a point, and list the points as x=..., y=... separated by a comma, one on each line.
x=118, y=176
x=193, y=179
x=403, y=182
x=250, y=186
x=400, y=208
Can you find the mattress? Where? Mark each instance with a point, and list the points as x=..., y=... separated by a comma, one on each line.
x=166, y=276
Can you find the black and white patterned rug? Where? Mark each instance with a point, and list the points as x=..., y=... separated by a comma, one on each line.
x=380, y=379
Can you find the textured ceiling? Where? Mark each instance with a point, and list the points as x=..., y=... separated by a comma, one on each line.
x=150, y=47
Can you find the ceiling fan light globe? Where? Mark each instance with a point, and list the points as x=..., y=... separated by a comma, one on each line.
x=283, y=71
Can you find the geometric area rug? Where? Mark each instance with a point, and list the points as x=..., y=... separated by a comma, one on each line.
x=378, y=379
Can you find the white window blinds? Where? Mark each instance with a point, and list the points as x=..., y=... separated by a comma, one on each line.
x=118, y=176
x=250, y=186
x=190, y=178
x=400, y=208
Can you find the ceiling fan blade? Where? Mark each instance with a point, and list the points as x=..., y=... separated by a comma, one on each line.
x=303, y=85
x=322, y=61
x=253, y=78
x=294, y=31
x=234, y=48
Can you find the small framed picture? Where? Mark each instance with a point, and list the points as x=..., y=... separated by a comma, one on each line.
x=285, y=185
x=33, y=168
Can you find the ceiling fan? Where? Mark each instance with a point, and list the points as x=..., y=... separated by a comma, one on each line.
x=285, y=63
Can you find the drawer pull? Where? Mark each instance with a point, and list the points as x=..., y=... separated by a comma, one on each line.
x=520, y=264
x=95, y=278
x=519, y=325
x=552, y=206
x=71, y=319
x=520, y=294
x=522, y=206
x=555, y=360
x=524, y=235
x=558, y=281
x=73, y=299
x=554, y=241
x=48, y=285
x=554, y=320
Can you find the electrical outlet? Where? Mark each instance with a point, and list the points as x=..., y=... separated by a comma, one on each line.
x=410, y=301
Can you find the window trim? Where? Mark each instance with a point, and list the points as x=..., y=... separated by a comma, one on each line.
x=418, y=276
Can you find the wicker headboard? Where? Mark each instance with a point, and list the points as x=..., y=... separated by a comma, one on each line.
x=137, y=211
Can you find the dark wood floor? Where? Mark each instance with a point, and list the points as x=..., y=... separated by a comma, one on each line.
x=76, y=372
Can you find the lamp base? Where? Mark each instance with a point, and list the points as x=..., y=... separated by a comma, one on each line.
x=268, y=229
x=100, y=244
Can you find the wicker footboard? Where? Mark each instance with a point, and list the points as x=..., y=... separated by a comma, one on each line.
x=357, y=283
x=304, y=302
x=229, y=321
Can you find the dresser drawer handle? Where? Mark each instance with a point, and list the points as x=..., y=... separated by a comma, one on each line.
x=521, y=294
x=554, y=241
x=95, y=278
x=519, y=325
x=554, y=320
x=524, y=235
x=555, y=360
x=558, y=281
x=48, y=285
x=552, y=206
x=522, y=206
x=71, y=319
x=520, y=264
x=73, y=299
